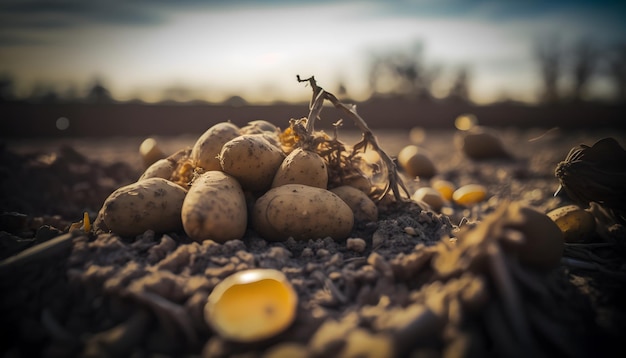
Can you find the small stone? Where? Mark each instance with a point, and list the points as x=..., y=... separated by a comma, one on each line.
x=356, y=244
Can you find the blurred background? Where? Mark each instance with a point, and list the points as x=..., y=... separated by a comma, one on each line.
x=132, y=68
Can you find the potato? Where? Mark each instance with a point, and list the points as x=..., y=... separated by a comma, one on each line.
x=360, y=182
x=259, y=126
x=153, y=203
x=302, y=167
x=430, y=196
x=162, y=168
x=264, y=128
x=576, y=223
x=215, y=208
x=479, y=144
x=469, y=194
x=252, y=160
x=416, y=162
x=150, y=152
x=363, y=208
x=206, y=149
x=542, y=247
x=302, y=212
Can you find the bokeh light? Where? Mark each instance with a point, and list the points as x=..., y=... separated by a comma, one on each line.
x=465, y=122
x=62, y=123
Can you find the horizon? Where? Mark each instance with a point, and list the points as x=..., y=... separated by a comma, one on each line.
x=211, y=51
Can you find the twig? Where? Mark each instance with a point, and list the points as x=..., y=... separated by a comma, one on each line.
x=586, y=265
x=319, y=95
x=510, y=296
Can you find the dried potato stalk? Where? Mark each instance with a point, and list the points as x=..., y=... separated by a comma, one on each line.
x=344, y=163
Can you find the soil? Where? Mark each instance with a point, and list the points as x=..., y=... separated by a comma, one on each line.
x=412, y=290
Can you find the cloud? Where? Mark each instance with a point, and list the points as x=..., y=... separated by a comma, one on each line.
x=46, y=14
x=498, y=10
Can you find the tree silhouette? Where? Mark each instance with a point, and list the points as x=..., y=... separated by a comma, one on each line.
x=43, y=93
x=585, y=57
x=617, y=69
x=404, y=72
x=549, y=57
x=460, y=86
x=98, y=93
x=7, y=88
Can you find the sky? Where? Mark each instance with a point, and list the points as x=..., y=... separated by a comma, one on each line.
x=211, y=50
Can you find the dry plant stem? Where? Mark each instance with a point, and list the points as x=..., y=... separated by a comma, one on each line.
x=592, y=266
x=168, y=312
x=54, y=328
x=510, y=296
x=319, y=95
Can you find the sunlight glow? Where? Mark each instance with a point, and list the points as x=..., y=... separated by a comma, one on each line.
x=211, y=53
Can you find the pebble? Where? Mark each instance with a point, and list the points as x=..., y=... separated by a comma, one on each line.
x=356, y=244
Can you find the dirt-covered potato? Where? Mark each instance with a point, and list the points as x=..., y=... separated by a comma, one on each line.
x=264, y=128
x=150, y=152
x=430, y=196
x=162, y=168
x=259, y=126
x=206, y=149
x=302, y=167
x=542, y=246
x=416, y=162
x=302, y=212
x=480, y=144
x=150, y=204
x=252, y=160
x=576, y=223
x=360, y=182
x=362, y=206
x=215, y=208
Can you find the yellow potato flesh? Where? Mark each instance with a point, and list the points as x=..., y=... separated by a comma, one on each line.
x=444, y=187
x=470, y=194
x=249, y=311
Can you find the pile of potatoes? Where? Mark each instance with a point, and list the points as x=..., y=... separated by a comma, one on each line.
x=233, y=179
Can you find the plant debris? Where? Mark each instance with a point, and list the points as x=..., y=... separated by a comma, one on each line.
x=414, y=282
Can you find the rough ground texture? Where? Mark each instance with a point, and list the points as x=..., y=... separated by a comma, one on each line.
x=408, y=291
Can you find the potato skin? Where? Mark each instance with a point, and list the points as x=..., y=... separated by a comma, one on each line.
x=302, y=167
x=543, y=245
x=416, y=162
x=149, y=204
x=362, y=206
x=215, y=208
x=479, y=144
x=302, y=212
x=206, y=149
x=252, y=160
x=576, y=223
x=162, y=168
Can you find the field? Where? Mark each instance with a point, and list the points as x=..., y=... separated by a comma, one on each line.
x=107, y=296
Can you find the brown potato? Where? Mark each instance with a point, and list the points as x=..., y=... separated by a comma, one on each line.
x=162, y=168
x=543, y=244
x=215, y=208
x=302, y=167
x=252, y=160
x=362, y=206
x=576, y=223
x=302, y=212
x=207, y=148
x=416, y=162
x=480, y=144
x=150, y=204
x=430, y=196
